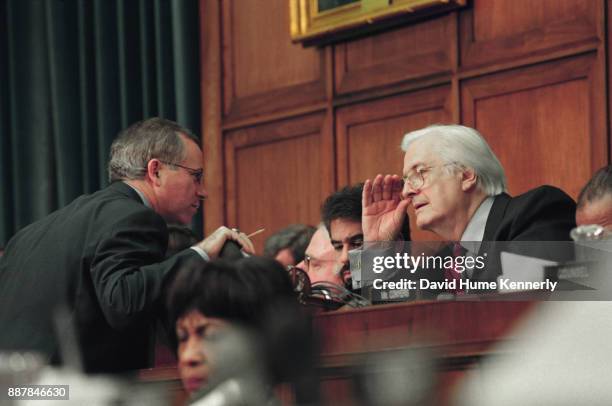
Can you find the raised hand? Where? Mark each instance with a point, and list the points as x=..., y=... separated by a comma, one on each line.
x=383, y=210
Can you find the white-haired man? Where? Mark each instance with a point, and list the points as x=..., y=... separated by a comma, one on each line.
x=457, y=187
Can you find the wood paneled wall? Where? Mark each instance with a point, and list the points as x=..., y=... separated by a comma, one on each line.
x=284, y=125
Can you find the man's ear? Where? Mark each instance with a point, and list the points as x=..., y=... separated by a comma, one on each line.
x=153, y=168
x=469, y=179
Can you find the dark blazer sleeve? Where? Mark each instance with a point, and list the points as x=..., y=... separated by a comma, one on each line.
x=542, y=214
x=128, y=269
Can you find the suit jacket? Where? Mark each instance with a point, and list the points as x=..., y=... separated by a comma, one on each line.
x=545, y=213
x=102, y=258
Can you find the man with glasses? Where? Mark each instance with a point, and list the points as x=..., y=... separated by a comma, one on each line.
x=102, y=256
x=327, y=254
x=321, y=260
x=457, y=188
x=287, y=246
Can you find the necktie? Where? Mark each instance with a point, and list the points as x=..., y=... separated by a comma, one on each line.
x=450, y=273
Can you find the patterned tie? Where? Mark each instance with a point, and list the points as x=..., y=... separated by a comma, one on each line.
x=450, y=273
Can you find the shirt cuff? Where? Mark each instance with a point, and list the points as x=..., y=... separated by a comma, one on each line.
x=202, y=253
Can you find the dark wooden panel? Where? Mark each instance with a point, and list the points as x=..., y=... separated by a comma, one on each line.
x=369, y=135
x=210, y=51
x=493, y=31
x=546, y=123
x=263, y=71
x=461, y=327
x=416, y=51
x=278, y=174
x=252, y=74
x=457, y=334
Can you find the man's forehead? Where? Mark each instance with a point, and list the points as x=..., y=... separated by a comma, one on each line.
x=192, y=148
x=598, y=211
x=419, y=153
x=345, y=229
x=189, y=141
x=319, y=243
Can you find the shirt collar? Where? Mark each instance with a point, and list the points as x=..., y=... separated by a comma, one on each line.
x=476, y=227
x=141, y=195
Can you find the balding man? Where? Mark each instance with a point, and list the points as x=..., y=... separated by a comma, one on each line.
x=321, y=260
x=595, y=200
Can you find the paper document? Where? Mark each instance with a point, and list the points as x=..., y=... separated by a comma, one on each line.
x=521, y=268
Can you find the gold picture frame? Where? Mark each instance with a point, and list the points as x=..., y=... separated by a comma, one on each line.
x=316, y=21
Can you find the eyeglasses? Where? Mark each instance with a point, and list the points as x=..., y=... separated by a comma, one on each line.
x=300, y=280
x=316, y=263
x=416, y=180
x=195, y=173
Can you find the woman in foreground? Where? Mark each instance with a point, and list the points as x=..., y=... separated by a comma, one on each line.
x=207, y=302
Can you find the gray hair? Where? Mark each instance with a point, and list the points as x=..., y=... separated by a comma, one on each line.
x=597, y=187
x=295, y=237
x=135, y=146
x=464, y=147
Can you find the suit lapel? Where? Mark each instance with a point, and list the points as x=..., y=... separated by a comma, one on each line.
x=492, y=267
x=498, y=210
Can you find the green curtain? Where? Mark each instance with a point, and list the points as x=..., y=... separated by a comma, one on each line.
x=73, y=73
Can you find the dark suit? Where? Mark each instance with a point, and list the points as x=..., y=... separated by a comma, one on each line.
x=545, y=213
x=100, y=256
x=542, y=214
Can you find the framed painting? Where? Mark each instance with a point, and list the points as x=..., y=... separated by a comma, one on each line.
x=321, y=21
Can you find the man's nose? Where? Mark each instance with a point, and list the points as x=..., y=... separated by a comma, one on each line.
x=201, y=192
x=408, y=191
x=344, y=259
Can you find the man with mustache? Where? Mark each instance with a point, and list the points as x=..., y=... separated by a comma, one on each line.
x=102, y=256
x=341, y=214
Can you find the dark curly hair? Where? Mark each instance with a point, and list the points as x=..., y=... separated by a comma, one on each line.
x=241, y=291
x=346, y=204
x=342, y=204
x=255, y=292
